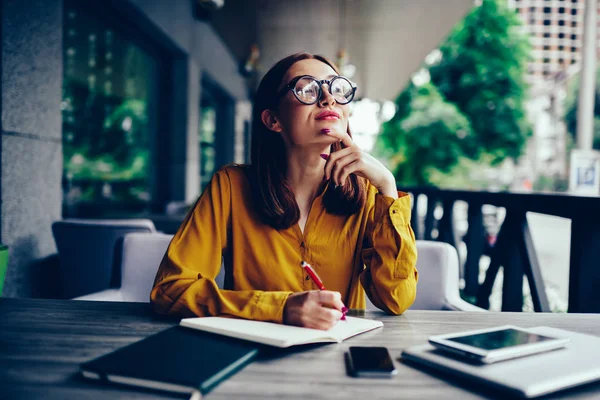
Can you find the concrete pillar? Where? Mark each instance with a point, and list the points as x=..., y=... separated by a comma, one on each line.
x=31, y=149
x=587, y=85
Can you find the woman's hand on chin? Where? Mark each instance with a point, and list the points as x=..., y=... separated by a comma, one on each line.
x=316, y=309
x=353, y=160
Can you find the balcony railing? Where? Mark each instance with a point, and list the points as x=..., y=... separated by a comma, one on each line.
x=513, y=250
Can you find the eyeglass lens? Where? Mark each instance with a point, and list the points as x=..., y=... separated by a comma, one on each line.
x=307, y=90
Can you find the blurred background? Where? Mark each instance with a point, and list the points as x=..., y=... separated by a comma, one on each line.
x=125, y=108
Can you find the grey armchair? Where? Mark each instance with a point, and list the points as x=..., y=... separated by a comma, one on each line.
x=89, y=252
x=142, y=254
x=437, y=289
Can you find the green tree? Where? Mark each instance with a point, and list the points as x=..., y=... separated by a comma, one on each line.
x=482, y=72
x=427, y=131
x=473, y=106
x=571, y=109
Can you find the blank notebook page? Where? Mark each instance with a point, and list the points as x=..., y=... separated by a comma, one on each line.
x=280, y=335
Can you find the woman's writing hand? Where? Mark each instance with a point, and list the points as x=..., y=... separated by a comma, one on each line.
x=352, y=160
x=316, y=309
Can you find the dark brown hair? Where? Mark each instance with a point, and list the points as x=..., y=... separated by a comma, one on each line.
x=272, y=195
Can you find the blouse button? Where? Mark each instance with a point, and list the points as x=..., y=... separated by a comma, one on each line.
x=394, y=211
x=307, y=278
x=302, y=245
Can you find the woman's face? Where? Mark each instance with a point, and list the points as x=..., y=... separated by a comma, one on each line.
x=304, y=125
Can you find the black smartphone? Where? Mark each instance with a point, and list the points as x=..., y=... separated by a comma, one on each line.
x=372, y=362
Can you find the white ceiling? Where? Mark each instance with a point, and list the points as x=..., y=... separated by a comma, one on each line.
x=386, y=40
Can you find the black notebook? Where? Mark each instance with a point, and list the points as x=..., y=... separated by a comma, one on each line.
x=177, y=360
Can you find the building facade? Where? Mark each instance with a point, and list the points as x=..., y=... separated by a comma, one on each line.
x=555, y=28
x=107, y=110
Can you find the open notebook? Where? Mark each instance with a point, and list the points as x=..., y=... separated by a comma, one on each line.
x=280, y=335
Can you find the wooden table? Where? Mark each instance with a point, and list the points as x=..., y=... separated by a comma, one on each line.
x=42, y=343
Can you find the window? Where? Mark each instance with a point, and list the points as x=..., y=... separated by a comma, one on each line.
x=546, y=47
x=573, y=37
x=561, y=47
x=561, y=10
x=561, y=23
x=573, y=49
x=109, y=94
x=561, y=35
x=574, y=11
x=208, y=127
x=546, y=22
x=546, y=35
x=547, y=10
x=217, y=130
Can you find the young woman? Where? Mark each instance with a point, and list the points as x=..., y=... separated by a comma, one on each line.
x=310, y=194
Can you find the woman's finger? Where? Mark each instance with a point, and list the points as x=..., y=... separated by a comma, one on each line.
x=342, y=137
x=330, y=299
x=351, y=168
x=327, y=317
x=341, y=164
x=332, y=159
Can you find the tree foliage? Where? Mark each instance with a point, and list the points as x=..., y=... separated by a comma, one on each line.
x=473, y=105
x=430, y=132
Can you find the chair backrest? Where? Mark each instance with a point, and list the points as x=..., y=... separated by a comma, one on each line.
x=437, y=264
x=142, y=254
x=89, y=252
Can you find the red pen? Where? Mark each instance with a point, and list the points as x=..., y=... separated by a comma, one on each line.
x=315, y=278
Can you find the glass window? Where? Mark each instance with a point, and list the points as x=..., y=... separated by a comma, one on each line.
x=109, y=91
x=216, y=134
x=208, y=127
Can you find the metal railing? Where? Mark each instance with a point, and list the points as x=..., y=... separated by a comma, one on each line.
x=513, y=250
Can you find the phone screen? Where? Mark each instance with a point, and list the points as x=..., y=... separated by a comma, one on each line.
x=500, y=339
x=371, y=361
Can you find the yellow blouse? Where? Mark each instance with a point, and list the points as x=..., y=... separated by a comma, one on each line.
x=373, y=248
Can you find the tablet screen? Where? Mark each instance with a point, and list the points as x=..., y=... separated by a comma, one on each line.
x=499, y=339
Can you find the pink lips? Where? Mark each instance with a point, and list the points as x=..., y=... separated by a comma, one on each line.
x=327, y=115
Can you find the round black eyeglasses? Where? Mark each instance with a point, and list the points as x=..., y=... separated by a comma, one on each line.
x=308, y=90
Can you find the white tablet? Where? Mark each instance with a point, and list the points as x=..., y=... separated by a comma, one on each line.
x=497, y=344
